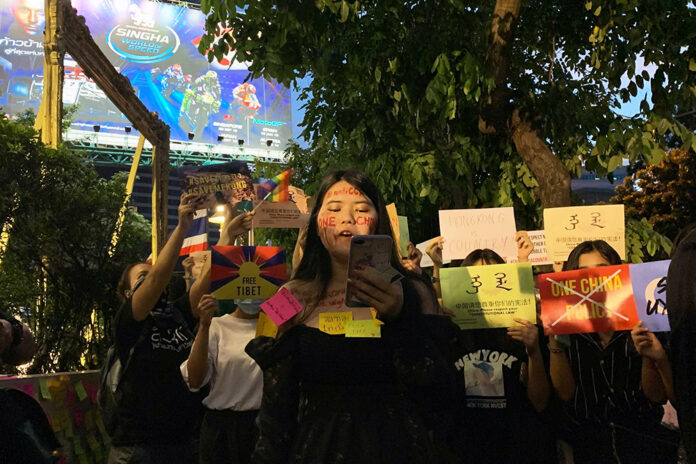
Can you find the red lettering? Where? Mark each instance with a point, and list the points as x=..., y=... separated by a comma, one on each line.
x=326, y=222
x=365, y=221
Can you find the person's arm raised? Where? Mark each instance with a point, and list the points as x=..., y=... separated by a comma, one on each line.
x=231, y=229
x=145, y=296
x=434, y=250
x=197, y=363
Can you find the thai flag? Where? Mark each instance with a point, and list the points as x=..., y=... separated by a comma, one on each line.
x=197, y=235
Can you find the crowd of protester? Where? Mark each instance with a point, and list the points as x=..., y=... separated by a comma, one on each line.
x=204, y=388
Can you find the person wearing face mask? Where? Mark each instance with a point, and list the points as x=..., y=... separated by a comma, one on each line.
x=228, y=432
x=330, y=398
x=613, y=385
x=153, y=333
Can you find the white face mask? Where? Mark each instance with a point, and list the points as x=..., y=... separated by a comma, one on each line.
x=250, y=307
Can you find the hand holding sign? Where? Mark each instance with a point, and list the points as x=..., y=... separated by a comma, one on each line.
x=526, y=333
x=647, y=344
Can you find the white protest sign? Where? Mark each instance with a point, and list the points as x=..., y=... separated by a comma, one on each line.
x=539, y=256
x=466, y=230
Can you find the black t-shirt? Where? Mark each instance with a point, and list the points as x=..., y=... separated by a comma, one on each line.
x=156, y=408
x=496, y=421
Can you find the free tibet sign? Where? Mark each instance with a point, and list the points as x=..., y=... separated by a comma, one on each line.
x=587, y=300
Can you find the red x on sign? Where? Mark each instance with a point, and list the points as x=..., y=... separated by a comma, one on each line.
x=587, y=300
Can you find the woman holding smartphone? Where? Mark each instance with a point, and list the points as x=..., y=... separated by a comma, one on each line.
x=328, y=398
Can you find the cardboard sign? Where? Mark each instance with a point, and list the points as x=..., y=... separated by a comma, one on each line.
x=363, y=329
x=334, y=323
x=649, y=282
x=244, y=272
x=484, y=297
x=466, y=230
x=539, y=256
x=567, y=227
x=587, y=300
x=425, y=260
x=281, y=307
x=293, y=214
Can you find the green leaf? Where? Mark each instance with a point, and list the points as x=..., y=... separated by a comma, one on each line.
x=652, y=247
x=397, y=95
x=598, y=11
x=345, y=10
x=378, y=74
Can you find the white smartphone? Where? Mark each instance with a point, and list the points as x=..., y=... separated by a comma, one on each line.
x=374, y=251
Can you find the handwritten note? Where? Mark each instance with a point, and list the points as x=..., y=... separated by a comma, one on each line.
x=466, y=230
x=425, y=260
x=363, y=329
x=649, y=281
x=489, y=296
x=567, y=227
x=265, y=326
x=334, y=323
x=281, y=307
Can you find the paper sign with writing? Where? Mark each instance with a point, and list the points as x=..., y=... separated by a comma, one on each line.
x=293, y=214
x=281, y=307
x=224, y=183
x=404, y=236
x=246, y=272
x=587, y=300
x=567, y=227
x=649, y=282
x=539, y=256
x=466, y=230
x=265, y=326
x=425, y=260
x=489, y=296
x=363, y=329
x=334, y=323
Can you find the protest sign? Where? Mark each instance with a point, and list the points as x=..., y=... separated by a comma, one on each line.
x=224, y=183
x=466, y=230
x=244, y=272
x=426, y=261
x=539, y=257
x=281, y=307
x=649, y=282
x=567, y=227
x=334, y=323
x=363, y=329
x=293, y=214
x=404, y=236
x=394, y=221
x=587, y=300
x=265, y=326
x=489, y=296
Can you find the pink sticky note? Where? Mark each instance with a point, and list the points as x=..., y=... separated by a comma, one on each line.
x=28, y=388
x=281, y=306
x=79, y=417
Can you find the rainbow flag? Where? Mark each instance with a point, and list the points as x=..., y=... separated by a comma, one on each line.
x=278, y=186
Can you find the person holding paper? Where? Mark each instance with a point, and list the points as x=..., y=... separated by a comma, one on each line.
x=613, y=388
x=329, y=397
x=228, y=432
x=153, y=333
x=503, y=385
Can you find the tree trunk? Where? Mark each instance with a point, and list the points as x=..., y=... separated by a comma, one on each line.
x=549, y=171
x=497, y=116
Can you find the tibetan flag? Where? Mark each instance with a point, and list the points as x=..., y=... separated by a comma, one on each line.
x=279, y=186
x=246, y=272
x=196, y=237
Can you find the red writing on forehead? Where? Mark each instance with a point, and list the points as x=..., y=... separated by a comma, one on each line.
x=344, y=191
x=365, y=221
x=326, y=222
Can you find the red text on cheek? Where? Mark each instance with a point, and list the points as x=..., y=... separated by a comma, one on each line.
x=365, y=221
x=326, y=222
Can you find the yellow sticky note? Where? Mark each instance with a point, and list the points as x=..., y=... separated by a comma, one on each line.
x=483, y=297
x=567, y=227
x=265, y=326
x=374, y=317
x=334, y=323
x=59, y=395
x=80, y=390
x=363, y=329
x=83, y=459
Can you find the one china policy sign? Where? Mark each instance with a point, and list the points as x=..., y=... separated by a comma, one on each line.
x=587, y=300
x=246, y=272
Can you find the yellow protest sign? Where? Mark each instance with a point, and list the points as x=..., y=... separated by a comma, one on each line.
x=567, y=227
x=265, y=326
x=394, y=220
x=334, y=323
x=374, y=317
x=363, y=329
x=484, y=297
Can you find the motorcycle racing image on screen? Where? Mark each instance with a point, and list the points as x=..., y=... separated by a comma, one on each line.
x=201, y=100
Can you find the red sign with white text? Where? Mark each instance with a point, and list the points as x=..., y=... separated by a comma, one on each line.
x=587, y=300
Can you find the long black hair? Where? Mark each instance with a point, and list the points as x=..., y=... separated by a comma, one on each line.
x=315, y=265
x=486, y=255
x=600, y=246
